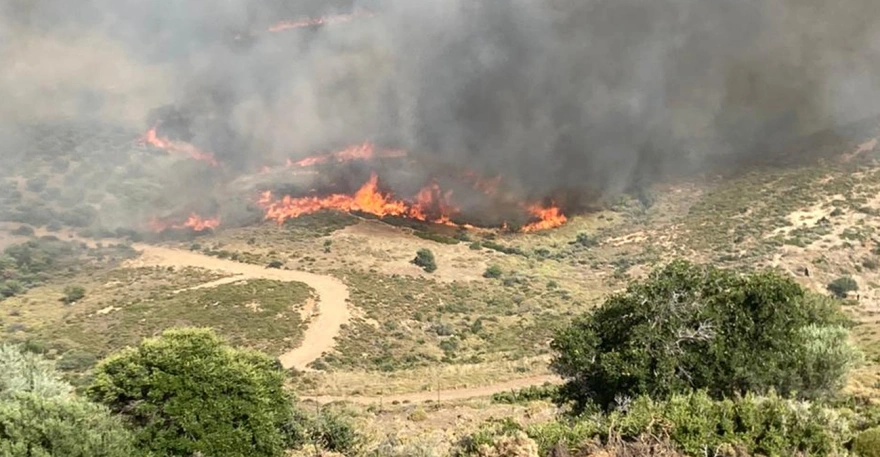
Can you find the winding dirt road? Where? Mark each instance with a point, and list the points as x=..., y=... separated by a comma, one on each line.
x=443, y=395
x=332, y=307
x=332, y=311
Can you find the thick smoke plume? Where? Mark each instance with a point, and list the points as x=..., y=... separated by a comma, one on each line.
x=565, y=99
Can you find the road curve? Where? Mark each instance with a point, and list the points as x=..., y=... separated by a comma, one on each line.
x=332, y=305
x=320, y=337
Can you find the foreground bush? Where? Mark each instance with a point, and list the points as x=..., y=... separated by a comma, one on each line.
x=31, y=425
x=693, y=424
x=187, y=392
x=867, y=444
x=692, y=327
x=39, y=417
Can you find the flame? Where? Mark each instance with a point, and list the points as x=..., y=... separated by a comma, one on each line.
x=153, y=139
x=368, y=199
x=549, y=217
x=364, y=151
x=315, y=21
x=194, y=221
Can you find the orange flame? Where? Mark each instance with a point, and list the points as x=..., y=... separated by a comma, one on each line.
x=549, y=217
x=367, y=199
x=312, y=22
x=195, y=222
x=365, y=151
x=153, y=139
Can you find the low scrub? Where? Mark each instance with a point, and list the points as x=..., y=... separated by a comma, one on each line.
x=695, y=425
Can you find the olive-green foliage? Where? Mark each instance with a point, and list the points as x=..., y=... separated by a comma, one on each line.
x=328, y=430
x=22, y=371
x=187, y=391
x=73, y=294
x=333, y=433
x=35, y=426
x=425, y=259
x=493, y=272
x=842, y=286
x=867, y=443
x=546, y=392
x=694, y=423
x=693, y=327
x=39, y=417
x=29, y=264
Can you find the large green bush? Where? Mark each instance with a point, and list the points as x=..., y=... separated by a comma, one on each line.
x=40, y=417
x=693, y=327
x=188, y=392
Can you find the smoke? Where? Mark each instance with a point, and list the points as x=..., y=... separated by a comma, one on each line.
x=567, y=99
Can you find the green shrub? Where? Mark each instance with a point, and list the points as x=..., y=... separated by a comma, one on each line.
x=333, y=433
x=532, y=393
x=31, y=425
x=693, y=327
x=39, y=417
x=188, y=392
x=23, y=230
x=493, y=272
x=842, y=286
x=425, y=259
x=73, y=294
x=585, y=240
x=431, y=236
x=867, y=443
x=694, y=422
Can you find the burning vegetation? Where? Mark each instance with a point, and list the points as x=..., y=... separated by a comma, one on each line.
x=430, y=204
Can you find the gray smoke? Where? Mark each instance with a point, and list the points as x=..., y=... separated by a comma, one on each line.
x=564, y=98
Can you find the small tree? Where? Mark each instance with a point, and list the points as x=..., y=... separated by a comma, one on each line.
x=842, y=286
x=73, y=294
x=425, y=259
x=187, y=392
x=691, y=327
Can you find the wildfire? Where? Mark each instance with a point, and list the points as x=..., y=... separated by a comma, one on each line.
x=315, y=21
x=194, y=222
x=176, y=147
x=364, y=151
x=549, y=217
x=368, y=199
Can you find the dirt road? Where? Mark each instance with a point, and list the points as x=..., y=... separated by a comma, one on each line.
x=332, y=307
x=332, y=311
x=444, y=395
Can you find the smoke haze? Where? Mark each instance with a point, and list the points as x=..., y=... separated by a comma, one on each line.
x=563, y=98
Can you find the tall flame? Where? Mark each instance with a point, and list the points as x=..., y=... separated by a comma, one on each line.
x=194, y=222
x=368, y=199
x=548, y=217
x=176, y=147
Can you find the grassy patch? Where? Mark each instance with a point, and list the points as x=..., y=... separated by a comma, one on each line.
x=261, y=314
x=413, y=322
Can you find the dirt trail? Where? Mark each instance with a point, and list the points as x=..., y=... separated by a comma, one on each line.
x=333, y=311
x=443, y=395
x=332, y=304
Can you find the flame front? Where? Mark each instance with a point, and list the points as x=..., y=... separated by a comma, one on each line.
x=548, y=217
x=368, y=199
x=194, y=222
x=176, y=147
